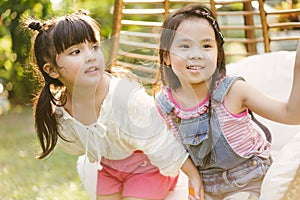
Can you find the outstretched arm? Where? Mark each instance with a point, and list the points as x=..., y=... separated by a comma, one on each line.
x=293, y=106
x=243, y=95
x=196, y=191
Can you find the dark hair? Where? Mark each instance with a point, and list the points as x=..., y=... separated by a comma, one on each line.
x=169, y=28
x=167, y=75
x=53, y=37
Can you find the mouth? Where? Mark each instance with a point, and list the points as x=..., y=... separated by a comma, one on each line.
x=91, y=69
x=194, y=67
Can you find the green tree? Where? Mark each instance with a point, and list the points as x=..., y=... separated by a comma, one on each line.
x=15, y=43
x=14, y=46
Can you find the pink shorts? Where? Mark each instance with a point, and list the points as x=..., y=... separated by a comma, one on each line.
x=139, y=179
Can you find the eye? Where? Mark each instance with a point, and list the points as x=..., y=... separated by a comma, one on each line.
x=96, y=47
x=75, y=52
x=206, y=46
x=185, y=46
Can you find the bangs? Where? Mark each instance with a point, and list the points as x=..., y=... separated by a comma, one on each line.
x=74, y=30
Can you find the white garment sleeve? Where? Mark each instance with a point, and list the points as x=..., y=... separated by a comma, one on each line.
x=144, y=129
x=73, y=144
x=74, y=148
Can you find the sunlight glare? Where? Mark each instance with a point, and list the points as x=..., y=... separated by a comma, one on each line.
x=55, y=1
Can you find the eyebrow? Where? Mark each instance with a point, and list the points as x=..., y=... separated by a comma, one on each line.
x=189, y=40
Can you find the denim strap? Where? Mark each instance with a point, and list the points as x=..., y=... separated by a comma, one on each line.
x=223, y=87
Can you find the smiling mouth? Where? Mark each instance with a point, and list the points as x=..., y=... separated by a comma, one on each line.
x=194, y=67
x=91, y=69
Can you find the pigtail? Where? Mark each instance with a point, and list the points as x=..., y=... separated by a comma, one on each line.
x=45, y=122
x=208, y=151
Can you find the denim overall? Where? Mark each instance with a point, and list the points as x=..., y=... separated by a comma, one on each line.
x=223, y=171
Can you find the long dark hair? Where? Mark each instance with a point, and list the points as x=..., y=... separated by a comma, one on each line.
x=167, y=75
x=53, y=37
x=169, y=27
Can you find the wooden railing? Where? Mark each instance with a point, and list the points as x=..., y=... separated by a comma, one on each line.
x=252, y=27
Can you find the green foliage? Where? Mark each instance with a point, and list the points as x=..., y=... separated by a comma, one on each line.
x=15, y=45
x=15, y=42
x=100, y=10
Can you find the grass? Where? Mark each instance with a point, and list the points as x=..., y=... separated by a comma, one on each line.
x=24, y=177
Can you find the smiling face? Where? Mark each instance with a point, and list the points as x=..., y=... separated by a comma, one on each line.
x=193, y=53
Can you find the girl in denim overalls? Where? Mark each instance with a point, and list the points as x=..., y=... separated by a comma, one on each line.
x=210, y=112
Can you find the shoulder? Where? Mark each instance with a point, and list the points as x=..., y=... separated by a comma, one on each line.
x=235, y=96
x=240, y=88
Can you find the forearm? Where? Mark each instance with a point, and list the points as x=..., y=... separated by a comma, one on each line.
x=189, y=168
x=294, y=100
x=196, y=190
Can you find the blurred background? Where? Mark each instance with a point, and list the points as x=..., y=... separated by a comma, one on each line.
x=21, y=175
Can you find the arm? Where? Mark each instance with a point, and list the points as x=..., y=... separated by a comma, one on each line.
x=242, y=95
x=293, y=107
x=195, y=182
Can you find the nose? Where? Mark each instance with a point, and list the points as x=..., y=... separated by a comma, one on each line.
x=90, y=60
x=195, y=53
x=90, y=56
x=195, y=56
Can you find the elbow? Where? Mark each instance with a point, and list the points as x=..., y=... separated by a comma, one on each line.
x=293, y=120
x=296, y=121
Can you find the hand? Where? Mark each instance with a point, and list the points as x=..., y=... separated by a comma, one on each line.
x=196, y=190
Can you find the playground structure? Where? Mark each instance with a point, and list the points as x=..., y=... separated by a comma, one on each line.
x=251, y=25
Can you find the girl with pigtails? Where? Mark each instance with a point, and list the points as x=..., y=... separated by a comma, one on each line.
x=210, y=112
x=84, y=109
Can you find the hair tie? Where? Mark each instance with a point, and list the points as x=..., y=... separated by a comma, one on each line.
x=35, y=25
x=47, y=84
x=213, y=21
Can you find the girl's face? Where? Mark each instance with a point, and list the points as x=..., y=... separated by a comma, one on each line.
x=81, y=65
x=193, y=53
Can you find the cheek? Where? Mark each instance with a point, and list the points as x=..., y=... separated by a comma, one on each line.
x=177, y=59
x=101, y=59
x=213, y=58
x=62, y=61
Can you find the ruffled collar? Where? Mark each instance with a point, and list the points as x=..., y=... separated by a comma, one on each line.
x=185, y=113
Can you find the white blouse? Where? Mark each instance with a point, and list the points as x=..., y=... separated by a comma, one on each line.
x=128, y=121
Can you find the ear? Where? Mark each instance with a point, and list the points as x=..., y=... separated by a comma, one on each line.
x=51, y=70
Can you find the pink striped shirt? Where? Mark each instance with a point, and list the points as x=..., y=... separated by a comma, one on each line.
x=244, y=138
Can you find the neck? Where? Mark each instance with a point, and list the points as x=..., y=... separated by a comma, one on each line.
x=191, y=95
x=84, y=103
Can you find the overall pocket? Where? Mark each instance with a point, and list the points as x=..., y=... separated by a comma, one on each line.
x=194, y=133
x=256, y=170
